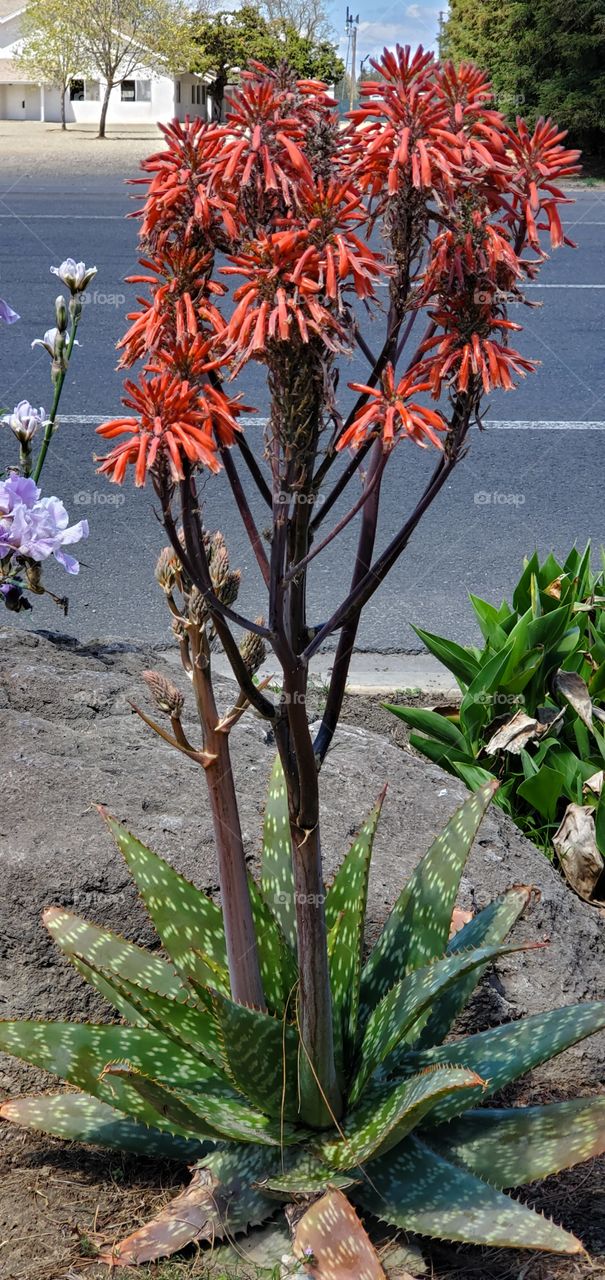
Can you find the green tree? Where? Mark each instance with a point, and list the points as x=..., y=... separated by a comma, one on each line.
x=122, y=35
x=227, y=40
x=545, y=57
x=53, y=50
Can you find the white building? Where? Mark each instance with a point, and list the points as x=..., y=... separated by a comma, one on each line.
x=143, y=98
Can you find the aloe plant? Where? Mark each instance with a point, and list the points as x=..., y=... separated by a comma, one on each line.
x=532, y=708
x=193, y=1075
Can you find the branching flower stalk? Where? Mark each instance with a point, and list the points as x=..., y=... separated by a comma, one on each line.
x=427, y=192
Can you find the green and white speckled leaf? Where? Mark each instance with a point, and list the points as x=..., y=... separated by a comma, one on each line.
x=220, y=1200
x=187, y=1021
x=258, y=1051
x=416, y=1189
x=390, y=1112
x=489, y=927
x=78, y=1052
x=522, y=1144
x=214, y=1110
x=80, y=1118
x=418, y=927
x=345, y=909
x=502, y=1054
x=304, y=1177
x=277, y=876
x=278, y=968
x=187, y=920
x=396, y=1016
x=100, y=948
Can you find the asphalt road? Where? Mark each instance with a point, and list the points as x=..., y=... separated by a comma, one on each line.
x=533, y=479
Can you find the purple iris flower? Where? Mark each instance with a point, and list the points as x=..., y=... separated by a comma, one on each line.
x=35, y=527
x=7, y=314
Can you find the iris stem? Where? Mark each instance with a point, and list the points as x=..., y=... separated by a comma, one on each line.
x=50, y=425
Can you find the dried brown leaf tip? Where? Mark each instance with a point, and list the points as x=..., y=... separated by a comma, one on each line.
x=331, y=1241
x=165, y=694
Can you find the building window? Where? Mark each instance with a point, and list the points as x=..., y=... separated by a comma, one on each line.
x=76, y=91
x=143, y=90
x=178, y=91
x=128, y=90
x=193, y=95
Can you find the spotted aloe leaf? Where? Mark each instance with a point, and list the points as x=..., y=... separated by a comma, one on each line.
x=167, y=1102
x=389, y=1113
x=418, y=927
x=77, y=1117
x=277, y=876
x=91, y=948
x=332, y=1242
x=417, y=1189
x=214, y=1111
x=279, y=972
x=345, y=909
x=260, y=1054
x=306, y=1176
x=187, y=1021
x=80, y=1052
x=220, y=1200
x=502, y=1054
x=512, y=1147
x=488, y=928
x=187, y=920
x=398, y=1013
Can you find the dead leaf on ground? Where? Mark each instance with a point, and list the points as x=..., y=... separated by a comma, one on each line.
x=576, y=848
x=594, y=783
x=331, y=1241
x=515, y=734
x=573, y=688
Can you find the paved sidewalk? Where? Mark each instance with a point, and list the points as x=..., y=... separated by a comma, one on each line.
x=46, y=148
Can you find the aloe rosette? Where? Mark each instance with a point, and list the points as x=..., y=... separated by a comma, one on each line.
x=189, y=1074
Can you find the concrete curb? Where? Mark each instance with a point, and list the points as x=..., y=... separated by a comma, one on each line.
x=374, y=673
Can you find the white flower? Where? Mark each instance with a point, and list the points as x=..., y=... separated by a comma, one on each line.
x=49, y=341
x=76, y=275
x=24, y=421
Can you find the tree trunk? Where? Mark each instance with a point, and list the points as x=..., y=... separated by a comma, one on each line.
x=105, y=105
x=63, y=121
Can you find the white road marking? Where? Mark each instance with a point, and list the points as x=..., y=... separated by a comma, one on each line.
x=536, y=285
x=66, y=217
x=494, y=424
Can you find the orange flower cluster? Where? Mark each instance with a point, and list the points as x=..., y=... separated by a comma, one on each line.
x=169, y=423
x=289, y=199
x=393, y=414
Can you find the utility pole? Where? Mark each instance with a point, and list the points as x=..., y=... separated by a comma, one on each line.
x=351, y=25
x=441, y=32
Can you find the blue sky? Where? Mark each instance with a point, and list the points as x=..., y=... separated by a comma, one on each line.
x=387, y=22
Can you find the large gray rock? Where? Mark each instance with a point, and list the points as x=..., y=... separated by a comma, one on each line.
x=69, y=739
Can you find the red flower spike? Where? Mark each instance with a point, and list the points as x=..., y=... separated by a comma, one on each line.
x=393, y=414
x=171, y=423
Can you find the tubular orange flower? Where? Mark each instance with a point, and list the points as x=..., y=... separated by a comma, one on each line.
x=170, y=425
x=539, y=162
x=178, y=201
x=393, y=414
x=459, y=356
x=263, y=143
x=181, y=303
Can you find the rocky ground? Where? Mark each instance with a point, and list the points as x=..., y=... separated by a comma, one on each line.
x=70, y=740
